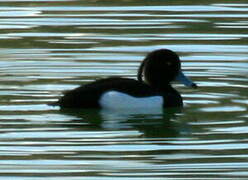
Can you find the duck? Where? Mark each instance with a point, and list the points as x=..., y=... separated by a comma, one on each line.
x=151, y=89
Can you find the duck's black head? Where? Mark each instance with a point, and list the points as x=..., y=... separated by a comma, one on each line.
x=160, y=67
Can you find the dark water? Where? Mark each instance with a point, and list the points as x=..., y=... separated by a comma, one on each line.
x=48, y=47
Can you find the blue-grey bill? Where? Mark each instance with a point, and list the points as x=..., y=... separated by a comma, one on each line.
x=185, y=80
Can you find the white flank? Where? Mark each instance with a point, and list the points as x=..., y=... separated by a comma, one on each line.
x=115, y=100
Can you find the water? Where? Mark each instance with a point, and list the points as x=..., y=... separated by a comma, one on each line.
x=48, y=47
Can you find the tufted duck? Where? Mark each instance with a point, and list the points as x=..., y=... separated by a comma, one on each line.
x=151, y=90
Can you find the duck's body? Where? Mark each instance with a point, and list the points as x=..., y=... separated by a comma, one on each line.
x=93, y=95
x=159, y=68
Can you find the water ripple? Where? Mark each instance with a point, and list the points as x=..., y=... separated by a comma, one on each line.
x=50, y=47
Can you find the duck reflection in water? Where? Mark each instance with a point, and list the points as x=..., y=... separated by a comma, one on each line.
x=148, y=123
